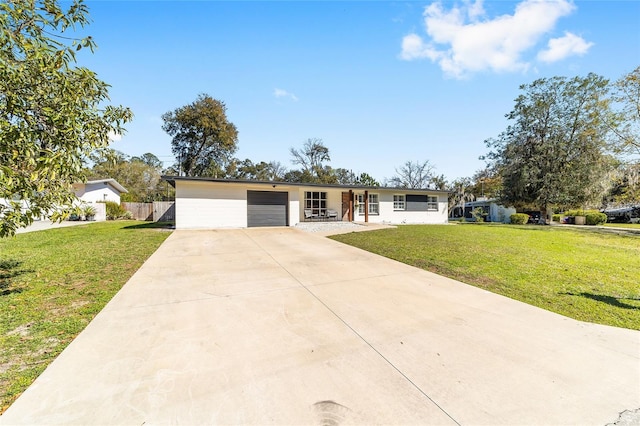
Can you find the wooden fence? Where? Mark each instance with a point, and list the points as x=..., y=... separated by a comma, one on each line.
x=158, y=211
x=164, y=211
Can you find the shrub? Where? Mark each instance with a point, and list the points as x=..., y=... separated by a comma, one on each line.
x=88, y=212
x=478, y=214
x=574, y=213
x=115, y=211
x=75, y=213
x=519, y=218
x=556, y=218
x=595, y=218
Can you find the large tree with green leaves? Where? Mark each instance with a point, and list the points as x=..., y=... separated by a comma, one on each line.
x=555, y=151
x=139, y=175
x=52, y=112
x=262, y=171
x=626, y=93
x=204, y=140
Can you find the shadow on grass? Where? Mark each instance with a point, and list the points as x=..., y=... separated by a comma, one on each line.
x=152, y=225
x=9, y=269
x=609, y=300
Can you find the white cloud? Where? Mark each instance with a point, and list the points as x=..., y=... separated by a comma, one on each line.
x=462, y=40
x=560, y=48
x=280, y=93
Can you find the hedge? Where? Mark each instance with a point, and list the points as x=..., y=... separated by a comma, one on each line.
x=519, y=218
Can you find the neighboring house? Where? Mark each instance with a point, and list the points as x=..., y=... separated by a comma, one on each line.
x=94, y=191
x=208, y=203
x=492, y=211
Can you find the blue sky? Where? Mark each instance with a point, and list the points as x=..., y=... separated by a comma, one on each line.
x=379, y=82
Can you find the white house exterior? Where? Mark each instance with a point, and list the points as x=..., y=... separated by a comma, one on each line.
x=94, y=191
x=207, y=203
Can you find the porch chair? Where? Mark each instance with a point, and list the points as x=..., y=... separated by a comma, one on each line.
x=332, y=214
x=308, y=215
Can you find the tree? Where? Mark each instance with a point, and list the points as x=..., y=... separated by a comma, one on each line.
x=311, y=158
x=439, y=182
x=52, y=112
x=555, y=151
x=460, y=192
x=203, y=138
x=345, y=176
x=627, y=94
x=247, y=170
x=150, y=160
x=366, y=180
x=141, y=179
x=413, y=175
x=486, y=183
x=625, y=185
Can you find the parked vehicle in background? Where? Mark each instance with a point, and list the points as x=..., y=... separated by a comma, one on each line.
x=629, y=214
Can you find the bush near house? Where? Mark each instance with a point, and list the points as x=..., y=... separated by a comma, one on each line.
x=115, y=211
x=592, y=217
x=519, y=218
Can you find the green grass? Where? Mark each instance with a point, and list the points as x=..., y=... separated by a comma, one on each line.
x=52, y=283
x=623, y=225
x=588, y=274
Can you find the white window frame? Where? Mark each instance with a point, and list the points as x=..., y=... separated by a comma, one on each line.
x=360, y=201
x=432, y=203
x=399, y=202
x=374, y=206
x=316, y=201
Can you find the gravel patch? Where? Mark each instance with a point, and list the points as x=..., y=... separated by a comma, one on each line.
x=328, y=226
x=334, y=228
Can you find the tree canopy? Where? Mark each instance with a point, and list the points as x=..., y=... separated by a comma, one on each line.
x=140, y=175
x=413, y=175
x=555, y=152
x=627, y=93
x=203, y=138
x=52, y=113
x=311, y=158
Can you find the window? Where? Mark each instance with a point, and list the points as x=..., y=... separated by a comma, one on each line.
x=374, y=206
x=421, y=203
x=360, y=201
x=316, y=202
x=398, y=202
x=432, y=202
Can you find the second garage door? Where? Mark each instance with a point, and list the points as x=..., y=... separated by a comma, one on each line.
x=267, y=208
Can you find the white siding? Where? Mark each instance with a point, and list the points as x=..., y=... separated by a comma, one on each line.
x=207, y=205
x=92, y=193
x=295, y=202
x=388, y=215
x=210, y=205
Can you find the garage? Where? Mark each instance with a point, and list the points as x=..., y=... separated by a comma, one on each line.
x=267, y=208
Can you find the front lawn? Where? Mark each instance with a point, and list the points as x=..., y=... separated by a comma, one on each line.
x=586, y=274
x=623, y=225
x=52, y=283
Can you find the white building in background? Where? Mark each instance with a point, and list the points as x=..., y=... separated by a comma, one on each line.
x=101, y=190
x=492, y=211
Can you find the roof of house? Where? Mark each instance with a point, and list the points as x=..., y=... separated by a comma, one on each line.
x=114, y=183
x=172, y=180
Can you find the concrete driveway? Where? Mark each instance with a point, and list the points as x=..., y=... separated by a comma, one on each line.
x=277, y=326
